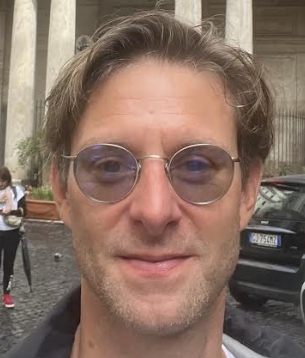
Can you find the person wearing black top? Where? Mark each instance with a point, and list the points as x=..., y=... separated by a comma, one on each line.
x=13, y=203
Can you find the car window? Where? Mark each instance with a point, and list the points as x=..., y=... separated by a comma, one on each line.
x=280, y=201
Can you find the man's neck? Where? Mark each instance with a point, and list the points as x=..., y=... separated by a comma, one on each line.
x=95, y=337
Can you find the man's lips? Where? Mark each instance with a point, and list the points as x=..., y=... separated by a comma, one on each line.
x=154, y=266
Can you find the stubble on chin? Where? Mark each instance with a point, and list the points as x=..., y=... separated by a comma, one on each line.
x=192, y=303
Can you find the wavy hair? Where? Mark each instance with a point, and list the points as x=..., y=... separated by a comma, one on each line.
x=157, y=34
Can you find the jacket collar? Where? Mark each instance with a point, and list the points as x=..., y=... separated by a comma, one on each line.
x=242, y=337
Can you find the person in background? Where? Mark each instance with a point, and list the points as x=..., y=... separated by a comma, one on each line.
x=6, y=201
x=9, y=236
x=7, y=204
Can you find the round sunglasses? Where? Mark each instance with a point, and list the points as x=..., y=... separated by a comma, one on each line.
x=200, y=174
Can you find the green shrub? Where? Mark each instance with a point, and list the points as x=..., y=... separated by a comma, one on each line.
x=41, y=193
x=29, y=152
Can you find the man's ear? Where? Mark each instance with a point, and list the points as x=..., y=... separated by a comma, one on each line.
x=249, y=194
x=60, y=195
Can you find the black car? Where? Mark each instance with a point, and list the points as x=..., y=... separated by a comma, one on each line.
x=302, y=302
x=272, y=253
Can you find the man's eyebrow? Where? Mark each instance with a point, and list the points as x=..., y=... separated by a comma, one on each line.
x=195, y=141
x=98, y=140
x=182, y=144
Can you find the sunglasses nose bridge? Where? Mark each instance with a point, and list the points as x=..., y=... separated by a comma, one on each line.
x=153, y=156
x=156, y=157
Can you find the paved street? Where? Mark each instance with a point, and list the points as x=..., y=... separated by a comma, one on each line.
x=52, y=279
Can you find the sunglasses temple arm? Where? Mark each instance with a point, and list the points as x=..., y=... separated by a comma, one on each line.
x=69, y=157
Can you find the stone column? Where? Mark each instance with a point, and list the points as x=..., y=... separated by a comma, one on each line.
x=2, y=43
x=239, y=24
x=189, y=10
x=61, y=44
x=20, y=104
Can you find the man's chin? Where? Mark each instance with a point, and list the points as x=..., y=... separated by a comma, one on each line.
x=152, y=308
x=159, y=324
x=156, y=315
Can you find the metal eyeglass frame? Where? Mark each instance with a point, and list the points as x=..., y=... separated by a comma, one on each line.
x=139, y=168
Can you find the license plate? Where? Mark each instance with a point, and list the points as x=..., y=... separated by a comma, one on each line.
x=265, y=239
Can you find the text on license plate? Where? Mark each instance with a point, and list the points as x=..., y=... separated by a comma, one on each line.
x=265, y=239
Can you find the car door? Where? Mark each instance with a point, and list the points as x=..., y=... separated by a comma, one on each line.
x=302, y=301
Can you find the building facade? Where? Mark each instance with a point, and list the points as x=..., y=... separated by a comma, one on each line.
x=38, y=36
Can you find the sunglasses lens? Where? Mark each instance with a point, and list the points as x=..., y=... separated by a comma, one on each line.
x=201, y=174
x=105, y=173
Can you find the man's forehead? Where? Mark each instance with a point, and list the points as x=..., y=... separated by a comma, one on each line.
x=166, y=86
x=182, y=142
x=165, y=100
x=166, y=105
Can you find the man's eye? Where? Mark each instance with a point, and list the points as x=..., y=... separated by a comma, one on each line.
x=106, y=165
x=110, y=166
x=197, y=165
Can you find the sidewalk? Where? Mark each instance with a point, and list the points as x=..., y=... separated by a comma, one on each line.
x=50, y=279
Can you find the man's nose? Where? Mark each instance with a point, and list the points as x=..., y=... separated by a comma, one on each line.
x=154, y=203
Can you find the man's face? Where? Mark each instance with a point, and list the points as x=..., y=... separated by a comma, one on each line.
x=156, y=262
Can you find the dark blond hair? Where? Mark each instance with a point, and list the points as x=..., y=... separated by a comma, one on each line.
x=157, y=34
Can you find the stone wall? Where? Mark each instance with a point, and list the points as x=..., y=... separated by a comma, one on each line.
x=2, y=124
x=7, y=50
x=5, y=43
x=43, y=20
x=280, y=45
